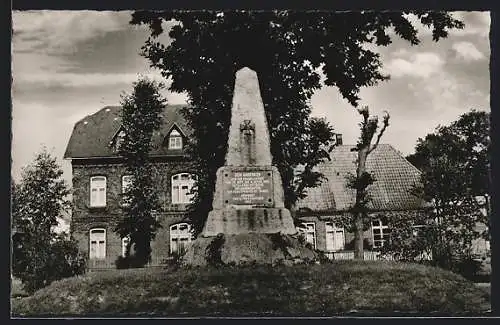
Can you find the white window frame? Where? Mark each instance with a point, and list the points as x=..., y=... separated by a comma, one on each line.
x=125, y=241
x=177, y=236
x=304, y=228
x=333, y=230
x=378, y=224
x=174, y=140
x=98, y=252
x=179, y=195
x=100, y=199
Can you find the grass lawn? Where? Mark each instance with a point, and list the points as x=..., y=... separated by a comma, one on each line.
x=340, y=288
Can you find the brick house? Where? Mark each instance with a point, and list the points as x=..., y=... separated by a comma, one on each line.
x=99, y=178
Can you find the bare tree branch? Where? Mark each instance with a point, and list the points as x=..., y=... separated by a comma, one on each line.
x=386, y=124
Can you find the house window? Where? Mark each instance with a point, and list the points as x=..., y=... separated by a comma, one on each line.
x=335, y=237
x=182, y=185
x=308, y=229
x=180, y=237
x=175, y=140
x=98, y=191
x=381, y=232
x=97, y=239
x=126, y=184
x=125, y=242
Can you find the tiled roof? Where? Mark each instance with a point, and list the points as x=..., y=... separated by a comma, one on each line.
x=92, y=135
x=395, y=178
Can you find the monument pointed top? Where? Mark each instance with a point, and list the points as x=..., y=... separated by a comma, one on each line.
x=246, y=70
x=247, y=112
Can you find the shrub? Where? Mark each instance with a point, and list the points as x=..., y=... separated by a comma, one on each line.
x=467, y=267
x=60, y=259
x=128, y=262
x=213, y=252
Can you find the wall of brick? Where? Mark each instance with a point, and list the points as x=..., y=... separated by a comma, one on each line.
x=85, y=218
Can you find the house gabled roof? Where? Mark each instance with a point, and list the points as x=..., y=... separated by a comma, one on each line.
x=92, y=136
x=395, y=179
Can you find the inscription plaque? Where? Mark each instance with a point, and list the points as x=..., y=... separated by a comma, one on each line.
x=248, y=187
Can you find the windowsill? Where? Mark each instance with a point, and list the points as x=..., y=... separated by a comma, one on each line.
x=177, y=206
x=102, y=208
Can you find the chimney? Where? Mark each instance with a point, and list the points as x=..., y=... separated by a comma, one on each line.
x=338, y=139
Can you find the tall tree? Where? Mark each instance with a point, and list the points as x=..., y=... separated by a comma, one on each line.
x=288, y=50
x=141, y=116
x=363, y=179
x=37, y=202
x=454, y=161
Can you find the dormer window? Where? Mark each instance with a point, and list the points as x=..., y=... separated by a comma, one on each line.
x=175, y=140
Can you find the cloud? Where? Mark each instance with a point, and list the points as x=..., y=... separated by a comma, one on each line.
x=66, y=80
x=58, y=32
x=467, y=51
x=420, y=65
x=476, y=23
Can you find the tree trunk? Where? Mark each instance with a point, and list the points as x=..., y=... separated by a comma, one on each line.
x=360, y=194
x=358, y=239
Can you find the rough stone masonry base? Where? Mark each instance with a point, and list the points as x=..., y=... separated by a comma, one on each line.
x=232, y=221
x=250, y=248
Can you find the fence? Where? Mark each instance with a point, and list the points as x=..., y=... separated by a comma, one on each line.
x=349, y=255
x=368, y=256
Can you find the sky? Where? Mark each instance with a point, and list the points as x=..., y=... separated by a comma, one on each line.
x=67, y=65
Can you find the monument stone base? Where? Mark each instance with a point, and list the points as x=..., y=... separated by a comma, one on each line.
x=232, y=214
x=249, y=248
x=233, y=221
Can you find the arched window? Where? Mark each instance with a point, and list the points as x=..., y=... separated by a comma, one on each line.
x=308, y=229
x=98, y=191
x=182, y=186
x=380, y=232
x=97, y=243
x=175, y=140
x=180, y=237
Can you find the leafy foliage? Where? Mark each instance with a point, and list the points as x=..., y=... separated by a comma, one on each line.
x=289, y=50
x=454, y=161
x=360, y=182
x=140, y=118
x=40, y=255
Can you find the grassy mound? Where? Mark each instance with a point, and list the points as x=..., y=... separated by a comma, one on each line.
x=339, y=288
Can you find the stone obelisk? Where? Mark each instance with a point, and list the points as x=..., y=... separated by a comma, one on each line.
x=248, y=194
